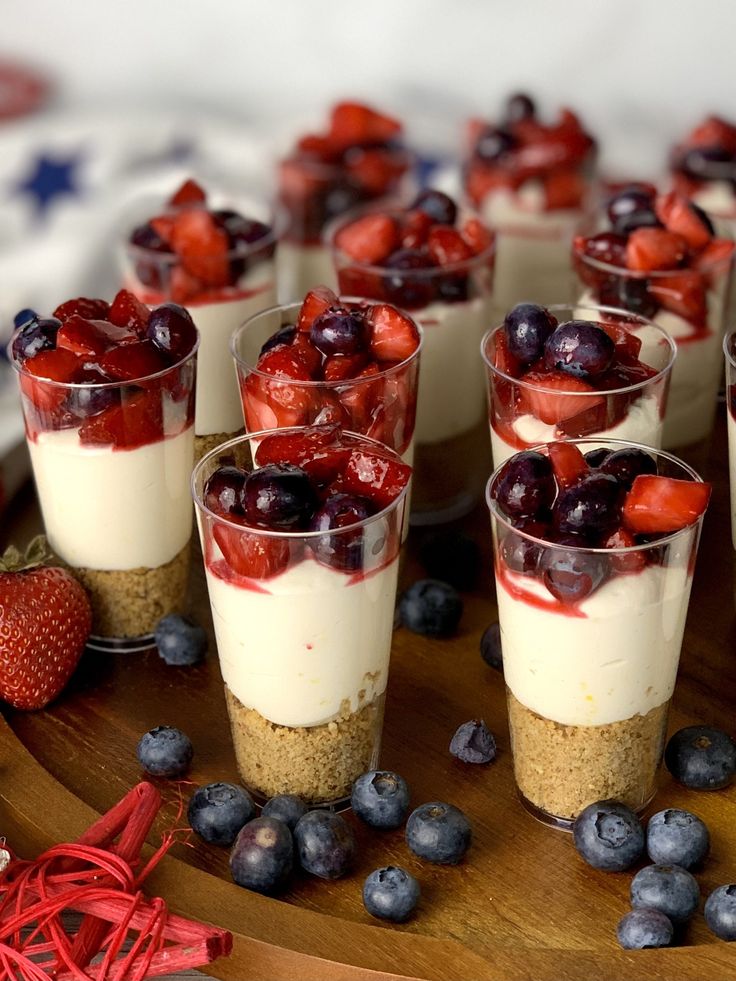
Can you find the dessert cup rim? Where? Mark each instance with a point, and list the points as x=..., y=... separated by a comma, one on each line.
x=341, y=383
x=723, y=263
x=337, y=167
x=729, y=342
x=79, y=386
x=615, y=444
x=558, y=307
x=284, y=533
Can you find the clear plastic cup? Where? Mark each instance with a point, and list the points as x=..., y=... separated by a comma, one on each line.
x=729, y=347
x=521, y=415
x=112, y=463
x=590, y=668
x=303, y=622
x=453, y=304
x=249, y=276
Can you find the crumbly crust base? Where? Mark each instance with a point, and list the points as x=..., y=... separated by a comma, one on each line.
x=205, y=444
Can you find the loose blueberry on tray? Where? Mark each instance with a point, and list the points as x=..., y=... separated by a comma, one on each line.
x=218, y=811
x=325, y=844
x=669, y=888
x=263, y=855
x=438, y=832
x=609, y=836
x=380, y=798
x=165, y=752
x=285, y=807
x=473, y=742
x=391, y=893
x=676, y=837
x=431, y=608
x=179, y=640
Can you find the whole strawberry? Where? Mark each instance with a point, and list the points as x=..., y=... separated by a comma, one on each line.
x=45, y=620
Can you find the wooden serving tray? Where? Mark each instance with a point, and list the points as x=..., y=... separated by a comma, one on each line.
x=521, y=906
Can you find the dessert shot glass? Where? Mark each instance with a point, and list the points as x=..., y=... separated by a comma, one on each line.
x=696, y=374
x=591, y=642
x=111, y=463
x=453, y=305
x=303, y=623
x=729, y=347
x=382, y=406
x=219, y=290
x=522, y=414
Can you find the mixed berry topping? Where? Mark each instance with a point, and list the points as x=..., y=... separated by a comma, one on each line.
x=358, y=351
x=617, y=502
x=359, y=158
x=660, y=252
x=522, y=148
x=89, y=342
x=317, y=479
x=564, y=368
x=708, y=153
x=409, y=249
x=194, y=253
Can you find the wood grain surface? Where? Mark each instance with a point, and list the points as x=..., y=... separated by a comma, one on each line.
x=521, y=906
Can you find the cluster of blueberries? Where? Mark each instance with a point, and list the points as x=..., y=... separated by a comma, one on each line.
x=665, y=895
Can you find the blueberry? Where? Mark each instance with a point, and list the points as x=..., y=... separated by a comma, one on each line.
x=644, y=928
x=148, y=269
x=527, y=327
x=580, y=348
x=571, y=575
x=629, y=293
x=609, y=836
x=701, y=758
x=380, y=798
x=218, y=811
x=341, y=551
x=473, y=742
x=625, y=465
x=279, y=495
x=642, y=218
x=165, y=752
x=520, y=554
x=628, y=201
x=670, y=889
x=37, y=335
x=172, y=330
x=594, y=458
x=391, y=893
x=607, y=247
x=526, y=487
x=223, y=491
x=439, y=833
x=285, y=335
x=431, y=607
x=338, y=332
x=453, y=287
x=490, y=647
x=325, y=844
x=698, y=161
x=179, y=640
x=285, y=807
x=591, y=507
x=452, y=557
x=263, y=855
x=403, y=288
x=720, y=911
x=22, y=317
x=677, y=838
x=492, y=144
x=519, y=106
x=440, y=207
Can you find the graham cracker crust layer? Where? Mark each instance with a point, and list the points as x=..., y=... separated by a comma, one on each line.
x=561, y=768
x=205, y=444
x=130, y=602
x=318, y=764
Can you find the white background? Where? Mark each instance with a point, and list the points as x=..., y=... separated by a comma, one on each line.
x=639, y=71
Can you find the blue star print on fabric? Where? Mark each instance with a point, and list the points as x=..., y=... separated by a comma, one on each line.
x=50, y=177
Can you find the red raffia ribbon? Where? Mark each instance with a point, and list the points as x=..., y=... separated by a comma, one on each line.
x=129, y=937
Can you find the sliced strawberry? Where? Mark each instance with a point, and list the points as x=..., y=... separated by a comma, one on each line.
x=447, y=246
x=374, y=169
x=314, y=145
x=133, y=361
x=356, y=281
x=626, y=342
x=202, y=246
x=84, y=307
x=92, y=337
x=661, y=505
x=394, y=337
x=370, y=239
x=677, y=215
x=563, y=189
x=328, y=410
x=631, y=561
x=360, y=398
x=478, y=237
x=353, y=123
x=564, y=399
x=296, y=447
x=568, y=463
x=715, y=260
x=682, y=293
x=136, y=422
x=126, y=310
x=378, y=477
x=57, y=365
x=339, y=367
x=503, y=359
x=714, y=131
x=249, y=554
x=650, y=249
x=283, y=361
x=415, y=229
x=316, y=302
x=163, y=225
x=182, y=285
x=282, y=402
x=189, y=193
x=308, y=354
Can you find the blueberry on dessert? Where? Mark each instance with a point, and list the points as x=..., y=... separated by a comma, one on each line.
x=704, y=166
